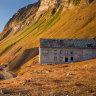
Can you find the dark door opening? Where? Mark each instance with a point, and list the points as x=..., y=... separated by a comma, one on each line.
x=66, y=59
x=72, y=58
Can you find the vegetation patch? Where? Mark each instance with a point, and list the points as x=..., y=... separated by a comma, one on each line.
x=31, y=29
x=51, y=22
x=76, y=2
x=53, y=18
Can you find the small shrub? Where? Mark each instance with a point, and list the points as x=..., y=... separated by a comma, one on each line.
x=54, y=17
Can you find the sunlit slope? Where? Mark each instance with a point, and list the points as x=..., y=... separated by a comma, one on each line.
x=78, y=22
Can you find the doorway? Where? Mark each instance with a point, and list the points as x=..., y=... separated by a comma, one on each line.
x=66, y=59
x=72, y=58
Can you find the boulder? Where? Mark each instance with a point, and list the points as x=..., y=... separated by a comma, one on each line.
x=3, y=91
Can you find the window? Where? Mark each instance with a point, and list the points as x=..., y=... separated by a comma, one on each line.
x=66, y=51
x=61, y=51
x=55, y=51
x=47, y=59
x=61, y=58
x=61, y=41
x=66, y=59
x=55, y=58
x=71, y=52
x=47, y=51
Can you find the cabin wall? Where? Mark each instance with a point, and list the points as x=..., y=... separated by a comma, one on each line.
x=89, y=54
x=63, y=55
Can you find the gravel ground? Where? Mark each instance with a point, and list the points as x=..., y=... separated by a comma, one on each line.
x=74, y=79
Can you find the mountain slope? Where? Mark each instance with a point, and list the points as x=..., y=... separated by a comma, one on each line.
x=50, y=19
x=19, y=19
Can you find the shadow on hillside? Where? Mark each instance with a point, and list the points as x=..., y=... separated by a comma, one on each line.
x=22, y=58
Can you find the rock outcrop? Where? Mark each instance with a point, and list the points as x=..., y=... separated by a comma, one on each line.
x=19, y=20
x=6, y=75
x=26, y=15
x=45, y=4
x=3, y=91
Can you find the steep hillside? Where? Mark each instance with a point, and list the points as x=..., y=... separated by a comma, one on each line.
x=46, y=19
x=19, y=19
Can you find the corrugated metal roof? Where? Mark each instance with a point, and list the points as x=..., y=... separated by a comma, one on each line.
x=68, y=43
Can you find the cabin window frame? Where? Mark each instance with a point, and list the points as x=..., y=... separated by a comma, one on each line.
x=61, y=51
x=46, y=51
x=55, y=51
x=66, y=51
x=61, y=58
x=71, y=52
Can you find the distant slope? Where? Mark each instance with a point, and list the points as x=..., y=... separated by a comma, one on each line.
x=52, y=19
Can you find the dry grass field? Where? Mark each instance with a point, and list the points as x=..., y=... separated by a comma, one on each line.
x=74, y=79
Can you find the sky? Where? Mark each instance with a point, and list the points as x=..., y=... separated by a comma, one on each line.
x=9, y=7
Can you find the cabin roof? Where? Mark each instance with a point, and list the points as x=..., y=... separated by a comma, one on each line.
x=67, y=43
